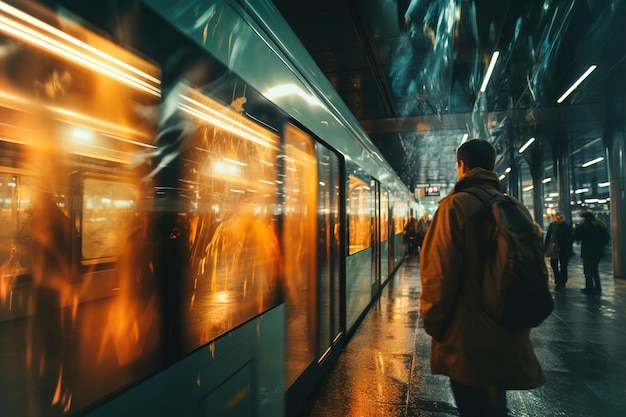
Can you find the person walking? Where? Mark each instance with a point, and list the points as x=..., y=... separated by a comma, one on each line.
x=481, y=358
x=593, y=235
x=558, y=246
x=410, y=232
x=422, y=227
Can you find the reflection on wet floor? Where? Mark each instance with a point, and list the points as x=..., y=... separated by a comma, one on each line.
x=384, y=369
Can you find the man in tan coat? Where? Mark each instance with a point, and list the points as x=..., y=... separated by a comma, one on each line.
x=482, y=359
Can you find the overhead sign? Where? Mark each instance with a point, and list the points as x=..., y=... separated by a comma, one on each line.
x=432, y=191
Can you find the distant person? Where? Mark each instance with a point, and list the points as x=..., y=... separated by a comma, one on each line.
x=410, y=232
x=593, y=235
x=558, y=246
x=481, y=358
x=422, y=227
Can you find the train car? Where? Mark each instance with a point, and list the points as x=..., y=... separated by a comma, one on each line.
x=193, y=223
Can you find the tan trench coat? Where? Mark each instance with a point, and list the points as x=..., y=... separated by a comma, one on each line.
x=467, y=345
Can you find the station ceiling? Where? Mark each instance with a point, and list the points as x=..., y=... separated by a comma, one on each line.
x=411, y=72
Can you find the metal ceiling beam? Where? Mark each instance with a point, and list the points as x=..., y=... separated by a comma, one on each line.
x=458, y=121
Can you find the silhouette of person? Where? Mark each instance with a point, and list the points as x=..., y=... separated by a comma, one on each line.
x=593, y=235
x=559, y=233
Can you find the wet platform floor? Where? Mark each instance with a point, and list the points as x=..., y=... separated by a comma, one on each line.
x=384, y=369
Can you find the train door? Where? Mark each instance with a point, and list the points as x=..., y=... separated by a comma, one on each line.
x=312, y=248
x=385, y=245
x=300, y=251
x=375, y=239
x=329, y=251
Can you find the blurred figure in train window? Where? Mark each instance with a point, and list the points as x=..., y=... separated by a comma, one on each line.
x=47, y=234
x=558, y=246
x=410, y=232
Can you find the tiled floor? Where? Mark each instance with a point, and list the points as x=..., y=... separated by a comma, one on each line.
x=384, y=369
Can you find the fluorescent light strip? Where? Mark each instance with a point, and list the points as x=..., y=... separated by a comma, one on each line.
x=492, y=64
x=32, y=36
x=604, y=184
x=530, y=187
x=465, y=136
x=577, y=83
x=526, y=145
x=546, y=180
x=593, y=161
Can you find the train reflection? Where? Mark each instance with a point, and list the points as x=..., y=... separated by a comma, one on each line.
x=110, y=270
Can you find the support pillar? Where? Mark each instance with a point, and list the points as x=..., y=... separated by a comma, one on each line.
x=615, y=141
x=562, y=170
x=537, y=172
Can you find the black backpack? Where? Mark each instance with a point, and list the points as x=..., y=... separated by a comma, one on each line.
x=514, y=290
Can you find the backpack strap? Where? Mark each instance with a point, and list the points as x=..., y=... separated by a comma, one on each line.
x=480, y=193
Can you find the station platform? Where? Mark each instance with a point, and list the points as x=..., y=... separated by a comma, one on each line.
x=384, y=369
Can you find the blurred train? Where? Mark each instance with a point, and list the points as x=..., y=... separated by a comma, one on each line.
x=192, y=222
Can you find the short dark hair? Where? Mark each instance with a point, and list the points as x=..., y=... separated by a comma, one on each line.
x=477, y=153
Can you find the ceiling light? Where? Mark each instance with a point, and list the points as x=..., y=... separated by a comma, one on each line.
x=502, y=177
x=465, y=136
x=492, y=64
x=526, y=145
x=581, y=190
x=507, y=170
x=577, y=83
x=604, y=184
x=530, y=187
x=593, y=161
x=546, y=180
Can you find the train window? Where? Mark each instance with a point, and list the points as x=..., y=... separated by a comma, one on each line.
x=300, y=243
x=384, y=216
x=399, y=215
x=359, y=214
x=108, y=214
x=228, y=175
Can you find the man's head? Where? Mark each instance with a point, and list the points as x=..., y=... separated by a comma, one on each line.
x=558, y=217
x=425, y=217
x=474, y=153
x=587, y=216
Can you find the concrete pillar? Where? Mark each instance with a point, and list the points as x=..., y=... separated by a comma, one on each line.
x=537, y=171
x=615, y=141
x=562, y=168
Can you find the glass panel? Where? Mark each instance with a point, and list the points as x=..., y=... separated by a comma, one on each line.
x=359, y=214
x=336, y=256
x=300, y=232
x=399, y=215
x=108, y=217
x=328, y=250
x=384, y=216
x=227, y=202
